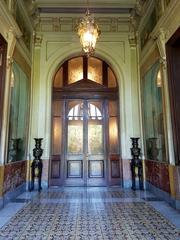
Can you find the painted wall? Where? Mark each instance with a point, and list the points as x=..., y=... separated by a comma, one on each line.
x=11, y=175
x=163, y=177
x=52, y=48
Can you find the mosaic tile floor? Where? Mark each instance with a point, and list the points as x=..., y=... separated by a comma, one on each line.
x=89, y=214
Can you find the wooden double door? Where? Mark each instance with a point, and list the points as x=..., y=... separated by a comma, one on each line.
x=85, y=143
x=85, y=155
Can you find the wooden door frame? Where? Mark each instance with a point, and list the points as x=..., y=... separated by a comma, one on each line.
x=86, y=89
x=173, y=69
x=3, y=52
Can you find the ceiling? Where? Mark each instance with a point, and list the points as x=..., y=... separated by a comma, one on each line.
x=84, y=3
x=79, y=6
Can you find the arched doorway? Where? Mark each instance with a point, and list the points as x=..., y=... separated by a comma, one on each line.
x=85, y=130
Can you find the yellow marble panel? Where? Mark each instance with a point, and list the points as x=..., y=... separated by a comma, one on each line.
x=171, y=180
x=1, y=180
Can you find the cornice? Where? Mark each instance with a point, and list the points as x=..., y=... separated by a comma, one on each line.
x=26, y=16
x=69, y=23
x=146, y=12
x=85, y=4
x=169, y=21
x=9, y=20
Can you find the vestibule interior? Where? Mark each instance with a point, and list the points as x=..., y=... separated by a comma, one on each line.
x=87, y=109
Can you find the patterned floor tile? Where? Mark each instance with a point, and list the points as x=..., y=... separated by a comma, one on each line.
x=54, y=215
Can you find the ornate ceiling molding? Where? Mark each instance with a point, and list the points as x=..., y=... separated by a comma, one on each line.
x=68, y=24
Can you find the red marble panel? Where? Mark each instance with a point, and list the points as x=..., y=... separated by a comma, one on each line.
x=157, y=173
x=126, y=169
x=45, y=170
x=14, y=175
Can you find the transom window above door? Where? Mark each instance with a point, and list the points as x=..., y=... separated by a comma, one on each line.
x=76, y=112
x=82, y=68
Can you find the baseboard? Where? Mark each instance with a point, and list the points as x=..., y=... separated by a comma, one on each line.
x=1, y=202
x=44, y=185
x=165, y=196
x=13, y=194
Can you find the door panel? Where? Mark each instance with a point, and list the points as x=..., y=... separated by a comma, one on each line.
x=96, y=169
x=96, y=155
x=75, y=169
x=74, y=156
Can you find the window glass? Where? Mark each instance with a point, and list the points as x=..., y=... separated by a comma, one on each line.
x=111, y=79
x=58, y=79
x=95, y=70
x=19, y=115
x=75, y=70
x=153, y=114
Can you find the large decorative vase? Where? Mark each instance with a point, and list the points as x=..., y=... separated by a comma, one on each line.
x=13, y=149
x=136, y=164
x=152, y=150
x=36, y=167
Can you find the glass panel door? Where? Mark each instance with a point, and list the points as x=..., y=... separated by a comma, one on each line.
x=84, y=160
x=75, y=146
x=95, y=152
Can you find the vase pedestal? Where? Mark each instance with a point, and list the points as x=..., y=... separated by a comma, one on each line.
x=37, y=166
x=136, y=164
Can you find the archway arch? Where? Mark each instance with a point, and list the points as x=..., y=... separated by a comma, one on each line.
x=57, y=59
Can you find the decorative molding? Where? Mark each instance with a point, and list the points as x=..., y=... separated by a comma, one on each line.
x=25, y=15
x=169, y=21
x=68, y=24
x=146, y=12
x=8, y=20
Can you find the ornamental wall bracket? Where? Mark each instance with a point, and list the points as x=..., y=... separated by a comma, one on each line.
x=132, y=40
x=37, y=40
x=161, y=42
x=163, y=62
x=9, y=62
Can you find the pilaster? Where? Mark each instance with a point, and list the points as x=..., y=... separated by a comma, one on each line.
x=161, y=41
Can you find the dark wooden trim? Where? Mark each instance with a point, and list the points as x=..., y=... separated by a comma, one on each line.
x=173, y=69
x=85, y=89
x=65, y=73
x=3, y=51
x=56, y=159
x=105, y=74
x=85, y=67
x=85, y=95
